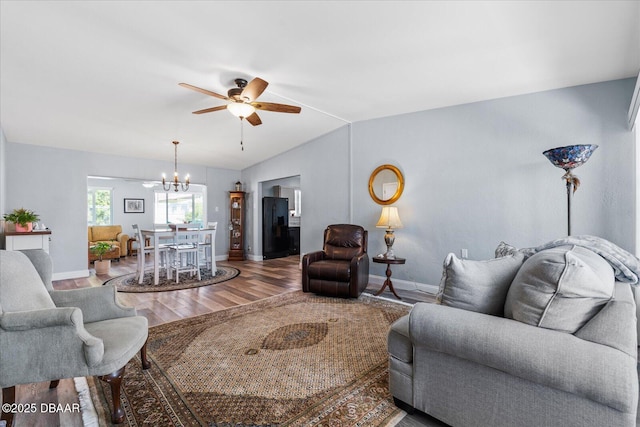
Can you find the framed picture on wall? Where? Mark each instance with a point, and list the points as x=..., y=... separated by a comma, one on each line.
x=133, y=205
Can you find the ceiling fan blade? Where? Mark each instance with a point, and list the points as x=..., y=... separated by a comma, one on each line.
x=206, y=92
x=278, y=108
x=209, y=110
x=254, y=119
x=253, y=89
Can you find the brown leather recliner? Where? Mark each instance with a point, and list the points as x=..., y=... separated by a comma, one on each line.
x=341, y=269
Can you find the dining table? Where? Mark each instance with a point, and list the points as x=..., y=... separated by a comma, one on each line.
x=158, y=234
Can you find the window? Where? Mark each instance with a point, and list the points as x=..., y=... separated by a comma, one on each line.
x=179, y=208
x=99, y=206
x=297, y=194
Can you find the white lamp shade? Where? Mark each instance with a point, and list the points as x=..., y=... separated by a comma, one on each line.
x=240, y=109
x=389, y=218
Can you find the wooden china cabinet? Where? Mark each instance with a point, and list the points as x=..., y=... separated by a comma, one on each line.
x=236, y=227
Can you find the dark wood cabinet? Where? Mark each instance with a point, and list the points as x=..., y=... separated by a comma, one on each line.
x=236, y=228
x=294, y=240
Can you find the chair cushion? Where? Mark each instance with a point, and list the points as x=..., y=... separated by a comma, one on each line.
x=122, y=338
x=21, y=288
x=344, y=241
x=479, y=286
x=560, y=288
x=331, y=270
x=41, y=260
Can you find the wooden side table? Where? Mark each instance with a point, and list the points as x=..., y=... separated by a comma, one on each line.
x=131, y=251
x=388, y=261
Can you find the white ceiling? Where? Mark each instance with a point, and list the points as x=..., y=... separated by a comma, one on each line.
x=103, y=76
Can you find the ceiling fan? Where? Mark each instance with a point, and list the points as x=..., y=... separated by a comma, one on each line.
x=243, y=102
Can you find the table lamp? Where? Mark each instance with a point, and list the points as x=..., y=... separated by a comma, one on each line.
x=389, y=219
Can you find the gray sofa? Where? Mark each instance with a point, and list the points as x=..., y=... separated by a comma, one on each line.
x=573, y=364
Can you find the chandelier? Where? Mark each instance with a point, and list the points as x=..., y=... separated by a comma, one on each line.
x=176, y=182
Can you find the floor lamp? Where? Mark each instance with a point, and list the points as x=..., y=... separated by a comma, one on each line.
x=569, y=158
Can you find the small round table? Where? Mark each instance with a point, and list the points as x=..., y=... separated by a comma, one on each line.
x=388, y=261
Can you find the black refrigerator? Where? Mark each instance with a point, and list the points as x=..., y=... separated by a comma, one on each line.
x=275, y=227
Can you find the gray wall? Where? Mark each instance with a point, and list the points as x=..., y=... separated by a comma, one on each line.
x=324, y=168
x=55, y=186
x=475, y=175
x=3, y=179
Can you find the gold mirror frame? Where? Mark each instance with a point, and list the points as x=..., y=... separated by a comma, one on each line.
x=399, y=179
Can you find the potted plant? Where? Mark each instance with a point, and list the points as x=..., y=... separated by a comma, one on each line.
x=23, y=219
x=101, y=266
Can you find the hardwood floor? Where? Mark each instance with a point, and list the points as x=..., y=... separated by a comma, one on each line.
x=257, y=280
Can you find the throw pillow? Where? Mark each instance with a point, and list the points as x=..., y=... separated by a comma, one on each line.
x=505, y=249
x=479, y=286
x=560, y=288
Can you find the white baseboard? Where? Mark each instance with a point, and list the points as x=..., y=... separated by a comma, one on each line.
x=64, y=275
x=404, y=284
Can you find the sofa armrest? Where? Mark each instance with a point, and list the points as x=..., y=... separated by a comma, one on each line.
x=307, y=259
x=122, y=239
x=43, y=318
x=553, y=359
x=359, y=274
x=96, y=303
x=310, y=257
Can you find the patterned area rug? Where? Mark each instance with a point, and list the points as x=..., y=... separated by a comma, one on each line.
x=291, y=360
x=129, y=282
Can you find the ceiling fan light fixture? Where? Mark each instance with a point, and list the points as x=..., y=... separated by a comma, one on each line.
x=241, y=109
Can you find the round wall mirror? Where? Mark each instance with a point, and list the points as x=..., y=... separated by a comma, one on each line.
x=386, y=184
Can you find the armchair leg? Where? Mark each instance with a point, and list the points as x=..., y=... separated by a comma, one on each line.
x=143, y=356
x=8, y=397
x=114, y=379
x=54, y=384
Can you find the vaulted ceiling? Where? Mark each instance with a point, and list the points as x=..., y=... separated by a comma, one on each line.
x=103, y=76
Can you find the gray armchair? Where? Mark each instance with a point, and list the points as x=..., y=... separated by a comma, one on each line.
x=47, y=335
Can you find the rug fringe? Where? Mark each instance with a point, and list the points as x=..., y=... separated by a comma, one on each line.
x=387, y=299
x=395, y=419
x=88, y=411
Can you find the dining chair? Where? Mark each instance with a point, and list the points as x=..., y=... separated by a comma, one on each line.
x=183, y=254
x=144, y=250
x=207, y=247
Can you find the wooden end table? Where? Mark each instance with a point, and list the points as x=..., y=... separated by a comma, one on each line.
x=131, y=251
x=388, y=261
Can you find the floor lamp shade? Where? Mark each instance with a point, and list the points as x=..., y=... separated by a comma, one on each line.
x=569, y=158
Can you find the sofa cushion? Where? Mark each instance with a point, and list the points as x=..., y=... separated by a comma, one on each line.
x=560, y=288
x=479, y=286
x=105, y=232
